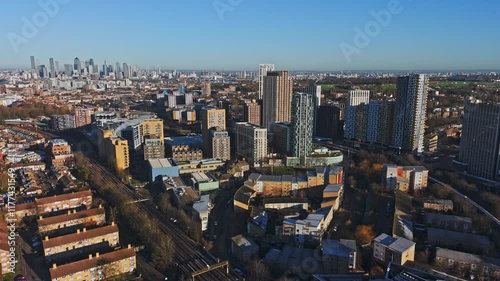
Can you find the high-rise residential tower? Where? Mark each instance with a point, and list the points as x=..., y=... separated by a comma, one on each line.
x=411, y=103
x=315, y=91
x=263, y=69
x=357, y=97
x=277, y=96
x=213, y=125
x=302, y=125
x=251, y=143
x=480, y=142
x=252, y=112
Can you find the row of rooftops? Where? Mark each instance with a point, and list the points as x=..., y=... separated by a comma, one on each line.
x=71, y=215
x=79, y=236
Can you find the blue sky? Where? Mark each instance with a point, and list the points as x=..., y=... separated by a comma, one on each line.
x=292, y=34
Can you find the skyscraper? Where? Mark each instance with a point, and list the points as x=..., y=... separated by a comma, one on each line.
x=32, y=60
x=57, y=67
x=357, y=97
x=52, y=68
x=328, y=124
x=77, y=65
x=480, y=143
x=302, y=125
x=315, y=91
x=411, y=103
x=220, y=145
x=277, y=96
x=263, y=69
x=251, y=143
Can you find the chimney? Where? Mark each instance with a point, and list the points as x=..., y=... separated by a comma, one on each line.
x=46, y=238
x=112, y=223
x=40, y=217
x=54, y=265
x=90, y=256
x=74, y=211
x=78, y=231
x=128, y=246
x=84, y=229
x=97, y=254
x=100, y=206
x=69, y=212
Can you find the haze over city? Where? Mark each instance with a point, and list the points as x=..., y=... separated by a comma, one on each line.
x=237, y=35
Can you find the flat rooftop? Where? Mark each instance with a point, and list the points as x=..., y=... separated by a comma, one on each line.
x=160, y=163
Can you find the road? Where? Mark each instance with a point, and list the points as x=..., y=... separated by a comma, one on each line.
x=189, y=256
x=483, y=210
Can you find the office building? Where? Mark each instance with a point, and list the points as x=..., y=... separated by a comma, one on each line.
x=277, y=97
x=153, y=149
x=302, y=125
x=153, y=128
x=244, y=248
x=77, y=65
x=83, y=116
x=252, y=112
x=263, y=69
x=133, y=135
x=32, y=60
x=339, y=257
x=397, y=250
x=480, y=142
x=62, y=122
x=357, y=97
x=328, y=124
x=68, y=69
x=52, y=68
x=251, y=143
x=315, y=92
x=411, y=104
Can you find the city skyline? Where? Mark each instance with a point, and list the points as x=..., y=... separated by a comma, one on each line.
x=415, y=36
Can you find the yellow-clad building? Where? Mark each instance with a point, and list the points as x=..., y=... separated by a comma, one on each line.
x=153, y=129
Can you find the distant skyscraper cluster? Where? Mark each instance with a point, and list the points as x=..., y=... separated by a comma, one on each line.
x=399, y=123
x=87, y=67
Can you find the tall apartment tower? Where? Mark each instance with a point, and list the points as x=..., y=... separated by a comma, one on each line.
x=83, y=116
x=302, y=125
x=251, y=143
x=32, y=60
x=480, y=143
x=252, y=112
x=263, y=69
x=315, y=91
x=411, y=103
x=277, y=96
x=357, y=97
x=220, y=144
x=206, y=89
x=213, y=125
x=153, y=129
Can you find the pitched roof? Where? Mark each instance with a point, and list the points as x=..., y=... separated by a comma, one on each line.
x=82, y=235
x=71, y=216
x=81, y=265
x=63, y=197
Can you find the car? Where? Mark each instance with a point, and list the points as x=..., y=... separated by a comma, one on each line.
x=215, y=223
x=215, y=236
x=20, y=277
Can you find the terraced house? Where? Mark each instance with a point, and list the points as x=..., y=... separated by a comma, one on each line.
x=103, y=235
x=63, y=202
x=98, y=267
x=73, y=218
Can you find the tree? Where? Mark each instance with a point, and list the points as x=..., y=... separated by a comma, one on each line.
x=364, y=234
x=258, y=271
x=113, y=214
x=83, y=173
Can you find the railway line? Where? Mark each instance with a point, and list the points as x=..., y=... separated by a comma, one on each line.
x=189, y=258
